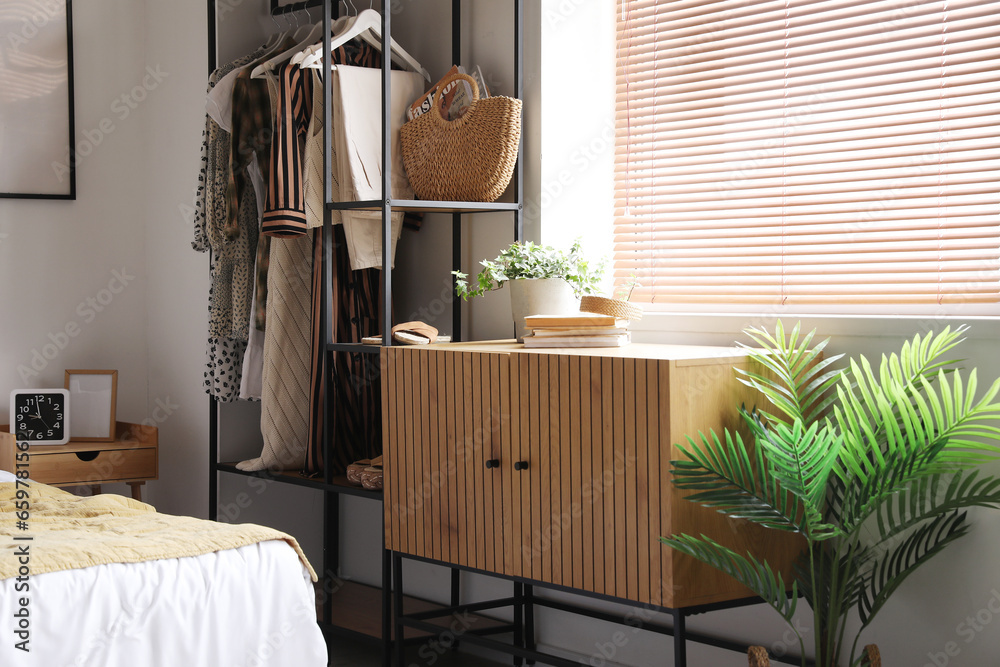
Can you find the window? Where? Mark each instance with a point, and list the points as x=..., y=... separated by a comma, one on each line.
x=807, y=153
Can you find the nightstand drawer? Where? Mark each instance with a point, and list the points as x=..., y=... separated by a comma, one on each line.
x=92, y=467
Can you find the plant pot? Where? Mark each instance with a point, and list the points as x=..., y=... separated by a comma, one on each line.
x=541, y=296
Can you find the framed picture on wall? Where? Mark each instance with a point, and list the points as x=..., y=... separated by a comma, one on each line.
x=93, y=398
x=38, y=151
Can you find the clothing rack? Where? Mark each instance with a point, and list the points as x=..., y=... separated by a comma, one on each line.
x=330, y=485
x=277, y=9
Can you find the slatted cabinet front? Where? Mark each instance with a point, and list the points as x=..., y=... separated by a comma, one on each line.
x=554, y=466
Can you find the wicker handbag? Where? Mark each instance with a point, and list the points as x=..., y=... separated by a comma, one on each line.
x=467, y=159
x=758, y=657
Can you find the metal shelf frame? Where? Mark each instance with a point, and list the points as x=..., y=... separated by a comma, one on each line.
x=332, y=486
x=525, y=601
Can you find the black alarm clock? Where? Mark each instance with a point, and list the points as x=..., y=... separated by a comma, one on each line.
x=40, y=416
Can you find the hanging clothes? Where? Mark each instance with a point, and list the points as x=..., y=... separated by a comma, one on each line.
x=350, y=386
x=261, y=192
x=253, y=358
x=285, y=399
x=227, y=222
x=284, y=210
x=227, y=337
x=288, y=339
x=359, y=54
x=252, y=375
x=312, y=161
x=353, y=380
x=358, y=134
x=292, y=412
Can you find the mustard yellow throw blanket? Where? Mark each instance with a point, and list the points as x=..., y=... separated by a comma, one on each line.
x=70, y=532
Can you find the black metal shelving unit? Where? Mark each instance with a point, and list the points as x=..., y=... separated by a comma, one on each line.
x=332, y=486
x=416, y=624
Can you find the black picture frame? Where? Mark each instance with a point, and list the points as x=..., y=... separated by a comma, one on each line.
x=38, y=155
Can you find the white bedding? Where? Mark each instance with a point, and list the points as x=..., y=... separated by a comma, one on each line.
x=204, y=611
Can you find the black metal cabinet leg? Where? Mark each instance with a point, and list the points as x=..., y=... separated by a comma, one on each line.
x=529, y=619
x=456, y=586
x=456, y=595
x=387, y=588
x=518, y=620
x=397, y=609
x=680, y=639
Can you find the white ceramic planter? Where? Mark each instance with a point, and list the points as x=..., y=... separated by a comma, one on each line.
x=542, y=296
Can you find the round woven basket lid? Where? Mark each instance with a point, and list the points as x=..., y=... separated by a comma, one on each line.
x=617, y=308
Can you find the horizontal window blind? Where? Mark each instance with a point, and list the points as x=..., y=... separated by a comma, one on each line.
x=823, y=152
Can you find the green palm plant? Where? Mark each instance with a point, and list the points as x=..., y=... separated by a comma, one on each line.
x=875, y=470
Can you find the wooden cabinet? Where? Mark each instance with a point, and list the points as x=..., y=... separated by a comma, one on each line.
x=552, y=466
x=131, y=458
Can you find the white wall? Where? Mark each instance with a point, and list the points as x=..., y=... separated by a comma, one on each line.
x=63, y=305
x=176, y=315
x=130, y=215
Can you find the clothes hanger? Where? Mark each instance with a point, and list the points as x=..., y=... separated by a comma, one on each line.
x=306, y=29
x=338, y=24
x=314, y=33
x=310, y=39
x=275, y=37
x=343, y=23
x=368, y=26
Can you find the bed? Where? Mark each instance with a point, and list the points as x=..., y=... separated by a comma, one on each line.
x=111, y=582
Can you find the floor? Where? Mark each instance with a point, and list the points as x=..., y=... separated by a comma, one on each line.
x=349, y=653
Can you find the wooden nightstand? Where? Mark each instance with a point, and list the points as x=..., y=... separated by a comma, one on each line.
x=132, y=459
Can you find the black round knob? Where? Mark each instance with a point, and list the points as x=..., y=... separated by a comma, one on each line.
x=493, y=463
x=521, y=465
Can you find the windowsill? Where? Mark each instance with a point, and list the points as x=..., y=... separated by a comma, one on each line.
x=655, y=325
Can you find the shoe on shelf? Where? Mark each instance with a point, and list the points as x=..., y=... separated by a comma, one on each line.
x=354, y=471
x=371, y=477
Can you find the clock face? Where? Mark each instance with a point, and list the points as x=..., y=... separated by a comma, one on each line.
x=40, y=416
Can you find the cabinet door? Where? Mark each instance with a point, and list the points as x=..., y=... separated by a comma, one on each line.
x=448, y=414
x=418, y=459
x=588, y=431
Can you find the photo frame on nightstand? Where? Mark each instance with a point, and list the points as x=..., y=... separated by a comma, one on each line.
x=92, y=404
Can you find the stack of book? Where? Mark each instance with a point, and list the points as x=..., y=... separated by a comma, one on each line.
x=579, y=330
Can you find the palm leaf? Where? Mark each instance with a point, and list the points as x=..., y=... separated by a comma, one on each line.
x=929, y=497
x=900, y=378
x=889, y=571
x=922, y=356
x=755, y=575
x=912, y=434
x=965, y=425
x=801, y=385
x=727, y=480
x=801, y=459
x=899, y=472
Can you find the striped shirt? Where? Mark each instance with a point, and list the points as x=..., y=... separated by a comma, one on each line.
x=284, y=207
